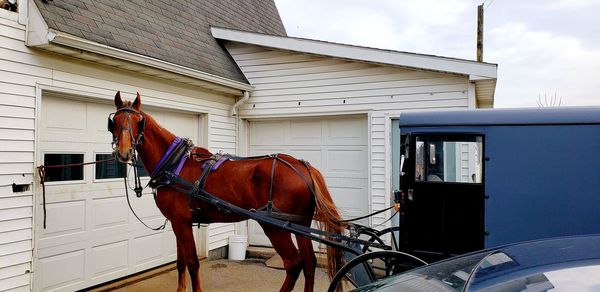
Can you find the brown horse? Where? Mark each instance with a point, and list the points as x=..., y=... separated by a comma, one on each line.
x=245, y=183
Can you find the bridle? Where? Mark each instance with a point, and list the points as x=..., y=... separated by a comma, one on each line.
x=141, y=126
x=135, y=142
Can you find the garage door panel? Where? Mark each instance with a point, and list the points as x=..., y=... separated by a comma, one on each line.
x=346, y=132
x=62, y=269
x=145, y=207
x=304, y=133
x=267, y=133
x=182, y=125
x=147, y=249
x=346, y=163
x=110, y=212
x=169, y=245
x=65, y=218
x=54, y=114
x=97, y=119
x=109, y=258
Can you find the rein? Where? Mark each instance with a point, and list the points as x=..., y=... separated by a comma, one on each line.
x=42, y=174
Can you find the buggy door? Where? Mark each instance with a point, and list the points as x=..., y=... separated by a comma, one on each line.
x=443, y=195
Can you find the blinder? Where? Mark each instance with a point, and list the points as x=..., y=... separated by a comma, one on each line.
x=111, y=124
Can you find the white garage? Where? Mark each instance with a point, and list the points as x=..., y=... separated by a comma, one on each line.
x=91, y=235
x=337, y=146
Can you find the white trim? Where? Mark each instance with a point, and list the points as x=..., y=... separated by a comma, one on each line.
x=388, y=57
x=37, y=29
x=22, y=8
x=471, y=95
x=370, y=165
x=61, y=38
x=388, y=164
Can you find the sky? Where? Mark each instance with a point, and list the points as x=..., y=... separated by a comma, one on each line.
x=545, y=49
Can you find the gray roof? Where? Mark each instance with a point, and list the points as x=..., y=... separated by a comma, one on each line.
x=500, y=117
x=176, y=31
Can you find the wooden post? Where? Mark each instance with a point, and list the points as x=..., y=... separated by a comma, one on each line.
x=480, y=33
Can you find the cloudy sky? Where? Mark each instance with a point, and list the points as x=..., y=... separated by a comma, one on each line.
x=542, y=47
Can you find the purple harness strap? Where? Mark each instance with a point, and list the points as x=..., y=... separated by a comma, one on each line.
x=215, y=166
x=162, y=160
x=221, y=160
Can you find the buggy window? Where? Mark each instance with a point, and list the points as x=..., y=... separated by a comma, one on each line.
x=449, y=159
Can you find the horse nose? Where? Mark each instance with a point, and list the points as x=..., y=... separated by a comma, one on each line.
x=123, y=156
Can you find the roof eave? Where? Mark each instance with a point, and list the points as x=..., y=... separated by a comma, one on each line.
x=404, y=59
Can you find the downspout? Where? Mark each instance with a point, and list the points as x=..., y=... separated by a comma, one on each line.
x=240, y=102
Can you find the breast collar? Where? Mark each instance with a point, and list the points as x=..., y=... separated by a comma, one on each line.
x=172, y=160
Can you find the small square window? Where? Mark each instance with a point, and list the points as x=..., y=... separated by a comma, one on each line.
x=110, y=169
x=63, y=173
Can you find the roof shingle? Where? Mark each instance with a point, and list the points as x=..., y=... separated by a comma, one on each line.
x=175, y=31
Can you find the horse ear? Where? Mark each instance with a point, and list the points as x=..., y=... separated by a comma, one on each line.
x=118, y=100
x=137, y=102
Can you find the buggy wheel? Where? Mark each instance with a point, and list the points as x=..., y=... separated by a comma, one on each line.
x=377, y=238
x=370, y=267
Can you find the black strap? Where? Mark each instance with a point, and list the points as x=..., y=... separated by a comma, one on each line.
x=369, y=215
x=327, y=238
x=270, y=202
x=131, y=208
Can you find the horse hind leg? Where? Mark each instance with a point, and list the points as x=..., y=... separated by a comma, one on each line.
x=292, y=262
x=309, y=260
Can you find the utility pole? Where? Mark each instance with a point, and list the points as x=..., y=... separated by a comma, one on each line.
x=480, y=33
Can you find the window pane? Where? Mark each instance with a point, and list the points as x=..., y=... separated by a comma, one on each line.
x=440, y=159
x=63, y=173
x=110, y=169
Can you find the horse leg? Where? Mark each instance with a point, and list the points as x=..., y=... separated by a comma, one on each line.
x=310, y=262
x=284, y=246
x=181, y=268
x=185, y=239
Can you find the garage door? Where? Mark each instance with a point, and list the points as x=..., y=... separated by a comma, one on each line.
x=336, y=146
x=91, y=236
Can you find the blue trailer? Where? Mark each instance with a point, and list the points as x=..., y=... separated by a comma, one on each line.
x=482, y=178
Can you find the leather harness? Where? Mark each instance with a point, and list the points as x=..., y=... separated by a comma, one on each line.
x=182, y=148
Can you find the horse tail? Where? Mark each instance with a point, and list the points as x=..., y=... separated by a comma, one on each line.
x=328, y=219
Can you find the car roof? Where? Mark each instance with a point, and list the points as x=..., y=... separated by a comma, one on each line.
x=535, y=257
x=494, y=267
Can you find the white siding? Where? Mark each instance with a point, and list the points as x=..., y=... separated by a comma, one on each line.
x=25, y=73
x=294, y=84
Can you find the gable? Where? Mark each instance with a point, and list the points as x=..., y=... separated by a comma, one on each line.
x=287, y=82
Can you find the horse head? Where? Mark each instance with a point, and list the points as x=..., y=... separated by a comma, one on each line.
x=126, y=125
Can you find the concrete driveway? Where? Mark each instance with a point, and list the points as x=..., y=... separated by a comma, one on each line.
x=219, y=275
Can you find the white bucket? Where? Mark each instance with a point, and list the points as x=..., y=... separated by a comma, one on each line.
x=237, y=247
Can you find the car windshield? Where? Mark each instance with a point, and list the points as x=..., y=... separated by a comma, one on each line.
x=451, y=275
